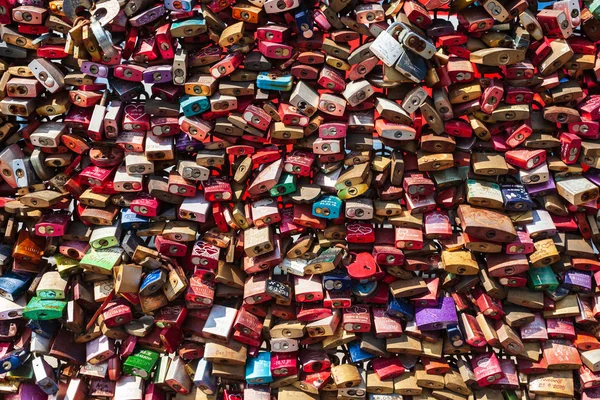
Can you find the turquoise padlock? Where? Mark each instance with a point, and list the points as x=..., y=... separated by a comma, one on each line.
x=269, y=81
x=258, y=369
x=328, y=207
x=194, y=105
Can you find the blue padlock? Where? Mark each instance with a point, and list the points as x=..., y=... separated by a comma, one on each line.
x=194, y=105
x=193, y=25
x=337, y=281
x=13, y=285
x=559, y=293
x=258, y=369
x=304, y=21
x=363, y=290
x=328, y=207
x=45, y=328
x=130, y=243
x=400, y=308
x=13, y=360
x=516, y=198
x=270, y=81
x=455, y=335
x=412, y=65
x=357, y=354
x=5, y=254
x=204, y=379
x=180, y=5
x=543, y=4
x=153, y=282
x=131, y=220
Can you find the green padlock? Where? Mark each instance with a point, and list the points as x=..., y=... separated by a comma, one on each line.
x=286, y=185
x=160, y=375
x=326, y=261
x=140, y=363
x=463, y=172
x=39, y=309
x=510, y=395
x=447, y=178
x=594, y=8
x=101, y=261
x=22, y=374
x=352, y=191
x=67, y=266
x=541, y=279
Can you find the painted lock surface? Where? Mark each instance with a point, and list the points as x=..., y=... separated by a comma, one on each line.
x=334, y=199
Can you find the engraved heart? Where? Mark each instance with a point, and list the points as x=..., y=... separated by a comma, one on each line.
x=135, y=111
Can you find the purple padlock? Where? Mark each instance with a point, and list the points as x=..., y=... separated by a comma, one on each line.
x=35, y=3
x=577, y=281
x=593, y=175
x=158, y=74
x=541, y=189
x=145, y=17
x=28, y=391
x=435, y=318
x=184, y=143
x=94, y=69
x=535, y=330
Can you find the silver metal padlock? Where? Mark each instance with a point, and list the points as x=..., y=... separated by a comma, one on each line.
x=416, y=43
x=386, y=47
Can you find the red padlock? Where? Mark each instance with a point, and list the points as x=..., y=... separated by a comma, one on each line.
x=364, y=268
x=357, y=318
x=388, y=368
x=284, y=364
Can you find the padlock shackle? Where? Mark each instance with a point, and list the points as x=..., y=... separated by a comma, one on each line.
x=396, y=27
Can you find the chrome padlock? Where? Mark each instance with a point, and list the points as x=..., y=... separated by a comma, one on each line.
x=416, y=43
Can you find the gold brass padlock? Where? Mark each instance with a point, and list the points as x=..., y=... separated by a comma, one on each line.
x=346, y=375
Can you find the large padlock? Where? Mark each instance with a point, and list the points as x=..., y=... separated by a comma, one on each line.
x=386, y=47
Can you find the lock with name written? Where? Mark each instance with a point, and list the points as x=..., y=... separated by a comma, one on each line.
x=284, y=364
x=52, y=286
x=116, y=314
x=14, y=284
x=140, y=363
x=40, y=309
x=200, y=291
x=248, y=324
x=357, y=319
x=258, y=369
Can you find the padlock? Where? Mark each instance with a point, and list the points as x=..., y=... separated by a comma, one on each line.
x=45, y=376
x=99, y=350
x=52, y=286
x=486, y=368
x=263, y=124
x=386, y=47
x=258, y=369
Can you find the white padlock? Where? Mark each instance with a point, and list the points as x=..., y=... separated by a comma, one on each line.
x=387, y=48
